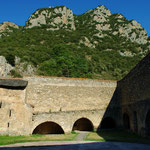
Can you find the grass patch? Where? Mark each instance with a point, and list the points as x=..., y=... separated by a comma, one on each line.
x=6, y=140
x=117, y=136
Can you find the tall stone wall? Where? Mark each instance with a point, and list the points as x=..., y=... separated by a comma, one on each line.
x=61, y=100
x=58, y=94
x=15, y=114
x=134, y=96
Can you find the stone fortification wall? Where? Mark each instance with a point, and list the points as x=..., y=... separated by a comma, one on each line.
x=24, y=106
x=134, y=96
x=58, y=94
x=15, y=114
x=135, y=86
x=66, y=119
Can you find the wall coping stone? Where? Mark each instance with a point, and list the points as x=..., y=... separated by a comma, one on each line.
x=13, y=83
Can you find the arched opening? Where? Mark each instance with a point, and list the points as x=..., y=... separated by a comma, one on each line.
x=147, y=123
x=108, y=123
x=48, y=128
x=83, y=124
x=126, y=121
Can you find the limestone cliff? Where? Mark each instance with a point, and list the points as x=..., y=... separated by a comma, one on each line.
x=7, y=27
x=53, y=18
x=5, y=67
x=104, y=23
x=17, y=70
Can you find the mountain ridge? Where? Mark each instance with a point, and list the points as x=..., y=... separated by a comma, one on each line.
x=59, y=39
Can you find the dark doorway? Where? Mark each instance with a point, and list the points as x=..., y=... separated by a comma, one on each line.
x=126, y=121
x=83, y=124
x=108, y=123
x=147, y=123
x=48, y=128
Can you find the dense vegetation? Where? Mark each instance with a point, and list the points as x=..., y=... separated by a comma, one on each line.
x=61, y=53
x=58, y=53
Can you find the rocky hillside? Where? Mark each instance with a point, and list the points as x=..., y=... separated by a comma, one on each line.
x=52, y=18
x=104, y=23
x=7, y=27
x=56, y=42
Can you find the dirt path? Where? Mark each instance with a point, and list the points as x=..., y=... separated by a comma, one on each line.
x=81, y=136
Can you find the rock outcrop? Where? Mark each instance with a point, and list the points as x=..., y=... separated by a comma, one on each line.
x=22, y=68
x=53, y=18
x=5, y=26
x=100, y=19
x=134, y=32
x=104, y=23
x=5, y=68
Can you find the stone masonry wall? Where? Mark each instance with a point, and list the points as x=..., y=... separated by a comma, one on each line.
x=134, y=95
x=58, y=94
x=60, y=100
x=14, y=113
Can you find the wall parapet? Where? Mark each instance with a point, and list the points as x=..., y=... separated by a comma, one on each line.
x=70, y=81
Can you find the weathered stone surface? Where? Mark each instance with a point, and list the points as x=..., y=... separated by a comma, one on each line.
x=25, y=69
x=53, y=18
x=5, y=68
x=134, y=32
x=60, y=100
x=5, y=26
x=133, y=98
x=101, y=17
x=101, y=14
x=87, y=43
x=55, y=94
x=15, y=114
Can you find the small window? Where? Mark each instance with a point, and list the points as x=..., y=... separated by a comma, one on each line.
x=9, y=113
x=0, y=104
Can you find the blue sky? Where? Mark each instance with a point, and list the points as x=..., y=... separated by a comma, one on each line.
x=18, y=11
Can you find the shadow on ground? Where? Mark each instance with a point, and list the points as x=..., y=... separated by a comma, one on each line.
x=84, y=146
x=122, y=136
x=113, y=127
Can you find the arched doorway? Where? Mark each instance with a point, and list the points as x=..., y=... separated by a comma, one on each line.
x=126, y=121
x=48, y=128
x=108, y=123
x=147, y=123
x=83, y=124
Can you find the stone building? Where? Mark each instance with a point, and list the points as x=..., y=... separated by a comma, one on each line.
x=48, y=105
x=52, y=105
x=131, y=102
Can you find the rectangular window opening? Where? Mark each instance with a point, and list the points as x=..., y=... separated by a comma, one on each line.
x=0, y=104
x=9, y=113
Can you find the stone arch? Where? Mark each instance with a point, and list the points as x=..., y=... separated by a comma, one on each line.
x=48, y=127
x=108, y=123
x=147, y=123
x=126, y=121
x=83, y=124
